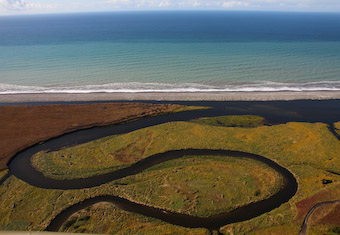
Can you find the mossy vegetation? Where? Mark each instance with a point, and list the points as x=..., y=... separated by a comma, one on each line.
x=310, y=151
x=27, y=208
x=336, y=230
x=3, y=173
x=182, y=108
x=24, y=207
x=105, y=218
x=324, y=229
x=288, y=218
x=232, y=121
x=337, y=127
x=202, y=185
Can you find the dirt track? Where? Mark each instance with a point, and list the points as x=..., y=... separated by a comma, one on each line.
x=304, y=226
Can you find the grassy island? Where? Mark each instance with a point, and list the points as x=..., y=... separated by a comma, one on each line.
x=232, y=121
x=202, y=185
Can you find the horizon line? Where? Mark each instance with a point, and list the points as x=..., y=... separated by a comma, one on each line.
x=173, y=10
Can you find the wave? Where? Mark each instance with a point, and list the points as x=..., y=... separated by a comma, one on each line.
x=134, y=87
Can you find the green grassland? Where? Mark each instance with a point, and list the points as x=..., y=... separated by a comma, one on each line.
x=24, y=207
x=182, y=108
x=324, y=229
x=3, y=173
x=202, y=186
x=337, y=127
x=105, y=218
x=283, y=220
x=309, y=151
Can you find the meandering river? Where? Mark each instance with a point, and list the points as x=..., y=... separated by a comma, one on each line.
x=21, y=167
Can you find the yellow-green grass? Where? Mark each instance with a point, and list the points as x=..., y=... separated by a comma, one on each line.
x=202, y=185
x=182, y=108
x=27, y=208
x=232, y=121
x=275, y=230
x=324, y=229
x=277, y=221
x=291, y=143
x=337, y=127
x=24, y=207
x=283, y=220
x=105, y=218
x=316, y=227
x=3, y=173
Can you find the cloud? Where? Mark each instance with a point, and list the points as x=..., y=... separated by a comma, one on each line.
x=119, y=1
x=178, y=4
x=140, y=3
x=47, y=6
x=230, y=4
x=15, y=4
x=164, y=4
x=227, y=4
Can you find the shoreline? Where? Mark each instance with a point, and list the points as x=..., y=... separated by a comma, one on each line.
x=172, y=96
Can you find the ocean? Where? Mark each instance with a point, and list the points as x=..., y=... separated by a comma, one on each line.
x=182, y=51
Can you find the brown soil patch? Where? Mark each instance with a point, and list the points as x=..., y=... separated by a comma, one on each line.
x=306, y=204
x=26, y=125
x=327, y=214
x=333, y=216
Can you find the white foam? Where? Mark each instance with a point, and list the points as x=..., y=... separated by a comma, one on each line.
x=264, y=86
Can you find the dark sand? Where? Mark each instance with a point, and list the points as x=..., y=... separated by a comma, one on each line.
x=173, y=96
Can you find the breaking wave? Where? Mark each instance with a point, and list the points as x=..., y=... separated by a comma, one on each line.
x=135, y=87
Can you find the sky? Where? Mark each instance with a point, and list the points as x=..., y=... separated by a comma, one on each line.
x=10, y=7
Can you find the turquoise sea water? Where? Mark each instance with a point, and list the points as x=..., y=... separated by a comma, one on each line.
x=169, y=51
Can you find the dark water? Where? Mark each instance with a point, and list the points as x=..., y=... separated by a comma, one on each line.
x=171, y=27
